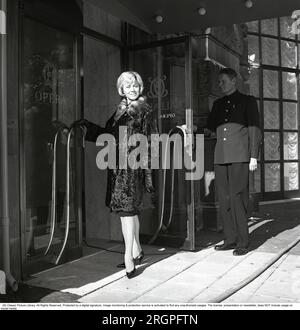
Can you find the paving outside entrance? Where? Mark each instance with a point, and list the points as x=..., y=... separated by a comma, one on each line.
x=169, y=275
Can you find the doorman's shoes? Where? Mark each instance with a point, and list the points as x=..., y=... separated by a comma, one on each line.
x=225, y=247
x=240, y=251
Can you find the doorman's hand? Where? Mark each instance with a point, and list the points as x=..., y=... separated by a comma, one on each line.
x=209, y=133
x=253, y=164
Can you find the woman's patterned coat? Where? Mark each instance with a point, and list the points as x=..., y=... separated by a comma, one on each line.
x=125, y=187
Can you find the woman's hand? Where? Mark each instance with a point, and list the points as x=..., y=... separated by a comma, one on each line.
x=81, y=122
x=58, y=124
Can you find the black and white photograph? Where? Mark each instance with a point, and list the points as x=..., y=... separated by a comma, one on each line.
x=149, y=157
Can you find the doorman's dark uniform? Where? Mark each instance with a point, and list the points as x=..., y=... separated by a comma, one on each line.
x=235, y=119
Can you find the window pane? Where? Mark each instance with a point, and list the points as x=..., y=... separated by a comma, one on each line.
x=253, y=51
x=272, y=177
x=271, y=143
x=286, y=27
x=290, y=115
x=289, y=85
x=252, y=26
x=269, y=26
x=288, y=54
x=270, y=79
x=290, y=148
x=271, y=115
x=254, y=82
x=291, y=176
x=270, y=54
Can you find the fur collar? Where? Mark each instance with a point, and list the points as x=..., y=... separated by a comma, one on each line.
x=133, y=108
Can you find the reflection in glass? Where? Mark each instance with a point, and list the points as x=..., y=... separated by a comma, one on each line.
x=290, y=146
x=252, y=26
x=254, y=82
x=286, y=27
x=290, y=115
x=289, y=85
x=269, y=26
x=163, y=72
x=270, y=80
x=49, y=91
x=165, y=89
x=253, y=51
x=271, y=115
x=288, y=54
x=270, y=53
x=272, y=177
x=291, y=176
x=272, y=144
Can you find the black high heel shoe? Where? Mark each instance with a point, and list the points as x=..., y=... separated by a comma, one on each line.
x=131, y=274
x=138, y=260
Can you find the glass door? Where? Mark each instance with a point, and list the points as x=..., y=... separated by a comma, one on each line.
x=49, y=90
x=165, y=67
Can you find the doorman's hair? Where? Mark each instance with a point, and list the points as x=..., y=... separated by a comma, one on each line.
x=129, y=76
x=229, y=72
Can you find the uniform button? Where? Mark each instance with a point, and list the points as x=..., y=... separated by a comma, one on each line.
x=224, y=139
x=227, y=110
x=228, y=101
x=226, y=119
x=225, y=129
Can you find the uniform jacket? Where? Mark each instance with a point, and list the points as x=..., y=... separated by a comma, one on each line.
x=235, y=119
x=125, y=187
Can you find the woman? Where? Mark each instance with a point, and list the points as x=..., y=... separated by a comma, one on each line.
x=125, y=187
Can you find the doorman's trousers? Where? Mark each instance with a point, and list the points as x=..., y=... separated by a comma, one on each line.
x=232, y=182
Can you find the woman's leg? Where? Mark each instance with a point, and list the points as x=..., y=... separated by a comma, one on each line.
x=136, y=244
x=128, y=225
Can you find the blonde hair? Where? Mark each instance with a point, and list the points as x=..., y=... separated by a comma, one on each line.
x=128, y=76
